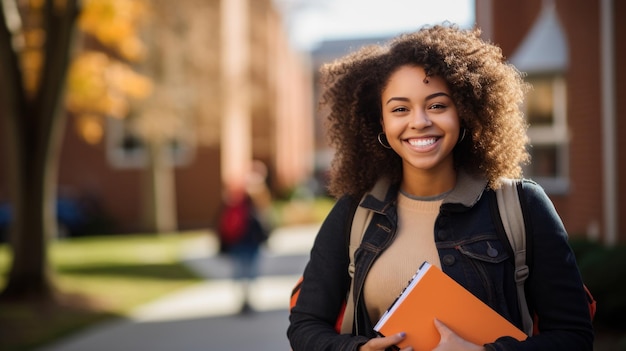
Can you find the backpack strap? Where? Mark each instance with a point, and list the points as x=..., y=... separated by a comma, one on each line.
x=512, y=218
x=360, y=221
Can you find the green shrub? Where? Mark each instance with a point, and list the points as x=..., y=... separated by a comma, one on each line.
x=582, y=247
x=604, y=272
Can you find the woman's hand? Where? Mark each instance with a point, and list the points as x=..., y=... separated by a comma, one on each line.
x=450, y=341
x=380, y=344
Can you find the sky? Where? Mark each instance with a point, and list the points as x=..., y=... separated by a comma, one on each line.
x=311, y=21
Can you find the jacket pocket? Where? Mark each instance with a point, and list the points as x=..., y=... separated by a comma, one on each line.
x=485, y=248
x=482, y=265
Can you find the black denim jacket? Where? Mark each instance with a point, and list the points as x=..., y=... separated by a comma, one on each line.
x=470, y=253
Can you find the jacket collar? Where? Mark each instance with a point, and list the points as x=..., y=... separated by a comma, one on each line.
x=466, y=192
x=468, y=189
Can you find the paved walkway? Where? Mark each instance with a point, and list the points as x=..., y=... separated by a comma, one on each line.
x=204, y=316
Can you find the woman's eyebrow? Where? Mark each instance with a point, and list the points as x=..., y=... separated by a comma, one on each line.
x=431, y=96
x=397, y=99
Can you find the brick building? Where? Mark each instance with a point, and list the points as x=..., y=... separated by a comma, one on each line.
x=571, y=52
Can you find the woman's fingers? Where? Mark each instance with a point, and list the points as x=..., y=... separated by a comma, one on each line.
x=451, y=341
x=383, y=343
x=443, y=330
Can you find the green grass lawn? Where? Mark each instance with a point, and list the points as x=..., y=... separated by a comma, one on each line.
x=100, y=278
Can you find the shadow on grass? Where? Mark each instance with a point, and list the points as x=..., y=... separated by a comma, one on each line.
x=25, y=325
x=147, y=271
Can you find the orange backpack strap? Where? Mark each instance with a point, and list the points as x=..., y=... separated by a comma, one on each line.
x=295, y=292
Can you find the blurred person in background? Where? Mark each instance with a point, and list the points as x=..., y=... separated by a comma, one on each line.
x=243, y=226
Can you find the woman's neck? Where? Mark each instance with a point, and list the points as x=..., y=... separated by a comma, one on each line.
x=427, y=184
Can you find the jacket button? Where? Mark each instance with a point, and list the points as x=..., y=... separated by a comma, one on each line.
x=442, y=235
x=448, y=260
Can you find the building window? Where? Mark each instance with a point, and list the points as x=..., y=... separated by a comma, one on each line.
x=126, y=149
x=549, y=137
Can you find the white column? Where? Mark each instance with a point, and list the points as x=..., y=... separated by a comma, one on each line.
x=609, y=143
x=236, y=124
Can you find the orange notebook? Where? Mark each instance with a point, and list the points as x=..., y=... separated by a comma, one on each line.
x=433, y=294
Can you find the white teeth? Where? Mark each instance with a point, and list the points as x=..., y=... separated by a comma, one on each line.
x=422, y=142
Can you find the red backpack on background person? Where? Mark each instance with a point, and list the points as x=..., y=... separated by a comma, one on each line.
x=233, y=223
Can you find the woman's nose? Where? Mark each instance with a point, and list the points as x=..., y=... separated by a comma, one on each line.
x=420, y=120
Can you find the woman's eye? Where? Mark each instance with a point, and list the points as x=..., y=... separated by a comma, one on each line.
x=437, y=106
x=399, y=109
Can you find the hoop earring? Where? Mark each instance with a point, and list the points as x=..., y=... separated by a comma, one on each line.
x=462, y=136
x=380, y=140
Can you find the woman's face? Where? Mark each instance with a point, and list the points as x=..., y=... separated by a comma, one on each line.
x=420, y=120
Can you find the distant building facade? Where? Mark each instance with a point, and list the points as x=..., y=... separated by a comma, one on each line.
x=213, y=61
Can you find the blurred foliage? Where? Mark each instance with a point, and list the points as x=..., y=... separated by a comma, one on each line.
x=101, y=86
x=101, y=82
x=116, y=24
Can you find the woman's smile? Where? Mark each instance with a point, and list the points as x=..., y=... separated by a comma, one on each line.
x=422, y=144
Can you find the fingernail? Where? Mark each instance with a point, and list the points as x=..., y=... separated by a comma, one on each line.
x=401, y=334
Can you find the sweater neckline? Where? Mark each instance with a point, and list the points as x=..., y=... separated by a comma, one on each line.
x=437, y=197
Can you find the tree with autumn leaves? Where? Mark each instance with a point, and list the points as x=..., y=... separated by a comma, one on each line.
x=58, y=57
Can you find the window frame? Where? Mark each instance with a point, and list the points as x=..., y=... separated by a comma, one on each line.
x=556, y=134
x=118, y=157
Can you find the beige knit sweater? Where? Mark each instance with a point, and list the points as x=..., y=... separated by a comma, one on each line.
x=414, y=244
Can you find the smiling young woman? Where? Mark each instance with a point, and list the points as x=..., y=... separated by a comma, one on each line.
x=433, y=118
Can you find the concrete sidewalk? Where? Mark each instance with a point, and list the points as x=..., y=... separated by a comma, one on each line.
x=205, y=316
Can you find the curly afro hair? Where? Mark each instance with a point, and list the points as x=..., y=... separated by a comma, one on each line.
x=487, y=91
